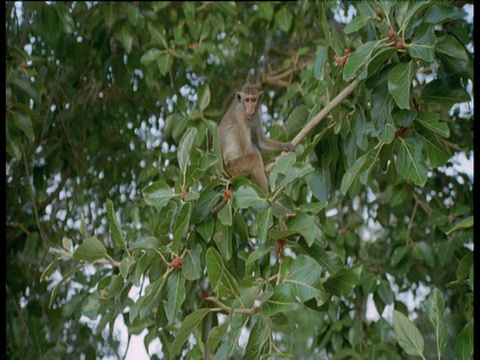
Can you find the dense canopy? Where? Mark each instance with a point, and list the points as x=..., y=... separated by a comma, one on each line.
x=362, y=249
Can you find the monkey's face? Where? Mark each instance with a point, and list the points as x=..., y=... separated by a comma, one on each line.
x=250, y=102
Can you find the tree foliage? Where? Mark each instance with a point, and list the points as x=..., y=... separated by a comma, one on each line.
x=113, y=170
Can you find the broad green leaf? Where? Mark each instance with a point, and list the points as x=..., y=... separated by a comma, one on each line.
x=356, y=24
x=124, y=35
x=164, y=62
x=445, y=92
x=257, y=340
x=441, y=12
x=223, y=283
x=319, y=66
x=437, y=152
x=23, y=122
x=91, y=305
x=319, y=182
x=225, y=215
x=217, y=334
x=145, y=303
x=245, y=197
x=431, y=122
x=192, y=267
x=114, y=226
x=343, y=281
x=150, y=56
x=305, y=225
x=257, y=254
x=264, y=222
x=205, y=99
x=284, y=18
x=181, y=224
x=464, y=266
x=464, y=343
x=408, y=336
x=185, y=147
x=464, y=224
x=297, y=119
x=400, y=83
x=410, y=162
x=423, y=43
x=435, y=314
x=176, y=295
x=223, y=239
x=305, y=276
x=282, y=300
x=359, y=59
x=157, y=194
x=353, y=172
x=191, y=322
x=385, y=292
x=91, y=249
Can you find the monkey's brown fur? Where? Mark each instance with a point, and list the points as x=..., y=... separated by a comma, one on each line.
x=242, y=138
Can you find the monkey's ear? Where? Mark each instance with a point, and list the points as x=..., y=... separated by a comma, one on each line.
x=238, y=96
x=260, y=95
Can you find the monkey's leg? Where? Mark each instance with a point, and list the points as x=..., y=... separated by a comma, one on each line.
x=249, y=164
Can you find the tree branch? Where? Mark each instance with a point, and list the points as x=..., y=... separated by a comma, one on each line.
x=319, y=117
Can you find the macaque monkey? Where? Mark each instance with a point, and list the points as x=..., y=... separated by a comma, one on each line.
x=242, y=138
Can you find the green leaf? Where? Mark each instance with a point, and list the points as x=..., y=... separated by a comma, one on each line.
x=192, y=267
x=257, y=340
x=464, y=266
x=431, y=121
x=343, y=281
x=164, y=62
x=150, y=56
x=284, y=18
x=305, y=276
x=306, y=226
x=205, y=98
x=435, y=313
x=23, y=122
x=176, y=295
x=157, y=194
x=264, y=222
x=225, y=215
x=190, y=323
x=114, y=226
x=410, y=162
x=400, y=82
x=245, y=197
x=464, y=224
x=319, y=66
x=423, y=43
x=65, y=277
x=124, y=35
x=445, y=92
x=437, y=152
x=223, y=239
x=91, y=249
x=464, y=343
x=363, y=163
x=297, y=119
x=408, y=336
x=282, y=300
x=185, y=147
x=359, y=59
x=356, y=24
x=222, y=281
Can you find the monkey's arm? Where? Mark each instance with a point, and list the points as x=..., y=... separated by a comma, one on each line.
x=266, y=144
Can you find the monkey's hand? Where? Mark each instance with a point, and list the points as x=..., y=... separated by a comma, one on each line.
x=288, y=147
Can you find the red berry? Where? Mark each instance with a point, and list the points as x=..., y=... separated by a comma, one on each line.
x=347, y=51
x=177, y=263
x=228, y=193
x=378, y=11
x=399, y=45
x=391, y=33
x=336, y=57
